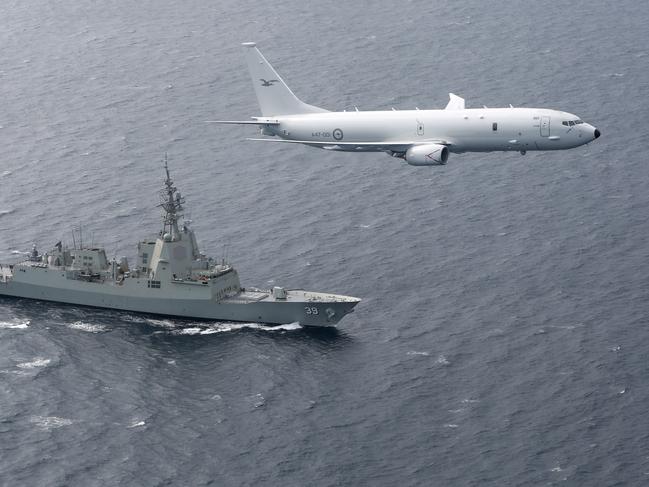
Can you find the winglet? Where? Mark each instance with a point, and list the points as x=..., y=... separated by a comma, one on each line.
x=455, y=102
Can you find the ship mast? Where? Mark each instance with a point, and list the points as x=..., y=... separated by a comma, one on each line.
x=172, y=204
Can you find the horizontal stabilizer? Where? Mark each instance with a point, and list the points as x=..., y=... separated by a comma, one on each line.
x=455, y=102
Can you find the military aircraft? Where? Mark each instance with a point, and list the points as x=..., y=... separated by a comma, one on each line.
x=420, y=137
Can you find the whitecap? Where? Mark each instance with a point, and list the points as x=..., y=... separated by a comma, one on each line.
x=288, y=327
x=259, y=401
x=6, y=212
x=470, y=401
x=36, y=363
x=450, y=425
x=556, y=469
x=6, y=173
x=50, y=422
x=441, y=360
x=14, y=324
x=189, y=331
x=162, y=323
x=208, y=331
x=87, y=327
x=136, y=424
x=134, y=319
x=228, y=327
x=414, y=352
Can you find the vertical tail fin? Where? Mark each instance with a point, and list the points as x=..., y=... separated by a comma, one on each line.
x=274, y=97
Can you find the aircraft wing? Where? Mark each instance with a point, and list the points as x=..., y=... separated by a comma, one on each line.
x=257, y=121
x=396, y=146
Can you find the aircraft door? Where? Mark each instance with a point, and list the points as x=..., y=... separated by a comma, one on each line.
x=545, y=126
x=420, y=128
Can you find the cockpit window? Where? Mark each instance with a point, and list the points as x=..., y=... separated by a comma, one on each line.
x=570, y=123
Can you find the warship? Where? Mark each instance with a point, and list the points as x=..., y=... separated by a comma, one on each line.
x=171, y=277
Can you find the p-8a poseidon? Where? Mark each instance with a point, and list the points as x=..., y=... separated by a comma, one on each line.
x=420, y=137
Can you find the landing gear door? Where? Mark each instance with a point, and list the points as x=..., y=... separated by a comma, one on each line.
x=545, y=126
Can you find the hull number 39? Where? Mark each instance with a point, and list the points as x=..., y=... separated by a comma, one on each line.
x=310, y=311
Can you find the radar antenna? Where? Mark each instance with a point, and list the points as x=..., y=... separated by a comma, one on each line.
x=172, y=204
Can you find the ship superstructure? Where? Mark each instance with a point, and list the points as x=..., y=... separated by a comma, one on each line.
x=170, y=277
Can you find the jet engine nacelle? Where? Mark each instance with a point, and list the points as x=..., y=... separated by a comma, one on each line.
x=427, y=155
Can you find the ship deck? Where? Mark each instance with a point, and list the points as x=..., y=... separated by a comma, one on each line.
x=245, y=297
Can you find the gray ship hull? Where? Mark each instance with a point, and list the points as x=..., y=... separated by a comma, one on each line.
x=299, y=306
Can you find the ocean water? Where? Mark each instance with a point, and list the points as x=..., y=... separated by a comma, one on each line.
x=503, y=334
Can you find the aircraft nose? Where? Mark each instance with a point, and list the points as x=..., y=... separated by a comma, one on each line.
x=597, y=133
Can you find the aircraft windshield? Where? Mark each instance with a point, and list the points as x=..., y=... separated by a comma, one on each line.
x=570, y=123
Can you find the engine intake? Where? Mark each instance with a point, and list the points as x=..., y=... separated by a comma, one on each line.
x=427, y=155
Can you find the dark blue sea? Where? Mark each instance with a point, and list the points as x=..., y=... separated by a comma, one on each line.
x=503, y=336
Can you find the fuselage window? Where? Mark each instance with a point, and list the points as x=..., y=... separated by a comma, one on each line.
x=494, y=126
